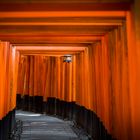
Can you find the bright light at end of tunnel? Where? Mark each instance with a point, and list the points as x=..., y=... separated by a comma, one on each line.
x=29, y=115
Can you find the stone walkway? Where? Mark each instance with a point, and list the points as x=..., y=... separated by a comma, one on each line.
x=42, y=127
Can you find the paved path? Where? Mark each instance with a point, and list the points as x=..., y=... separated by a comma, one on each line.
x=42, y=127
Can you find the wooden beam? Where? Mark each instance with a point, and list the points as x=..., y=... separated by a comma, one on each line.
x=27, y=39
x=64, y=6
x=48, y=48
x=32, y=14
x=58, y=54
x=59, y=24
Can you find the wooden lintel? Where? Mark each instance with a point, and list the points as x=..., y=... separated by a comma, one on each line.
x=64, y=6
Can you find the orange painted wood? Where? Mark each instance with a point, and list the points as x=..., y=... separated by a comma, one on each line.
x=8, y=80
x=64, y=6
x=133, y=51
x=2, y=90
x=45, y=14
x=49, y=39
x=14, y=65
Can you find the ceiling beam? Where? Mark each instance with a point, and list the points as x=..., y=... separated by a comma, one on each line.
x=59, y=24
x=35, y=14
x=50, y=55
x=119, y=6
x=29, y=39
x=48, y=48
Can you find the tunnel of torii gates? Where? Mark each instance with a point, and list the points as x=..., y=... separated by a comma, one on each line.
x=99, y=90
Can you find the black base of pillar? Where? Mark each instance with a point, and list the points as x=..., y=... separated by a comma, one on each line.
x=82, y=117
x=7, y=124
x=50, y=106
